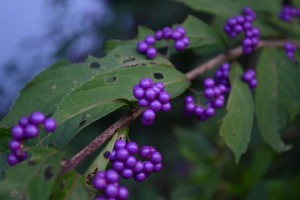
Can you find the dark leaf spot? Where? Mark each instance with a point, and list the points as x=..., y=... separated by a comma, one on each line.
x=82, y=123
x=50, y=145
x=111, y=79
x=48, y=173
x=95, y=65
x=129, y=59
x=106, y=154
x=158, y=75
x=62, y=185
x=31, y=162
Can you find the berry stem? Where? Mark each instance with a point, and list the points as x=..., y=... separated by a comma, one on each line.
x=133, y=114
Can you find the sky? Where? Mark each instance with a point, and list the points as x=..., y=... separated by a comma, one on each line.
x=25, y=37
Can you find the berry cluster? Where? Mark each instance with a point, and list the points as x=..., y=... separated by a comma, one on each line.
x=124, y=161
x=153, y=97
x=287, y=13
x=181, y=41
x=243, y=23
x=27, y=128
x=249, y=77
x=290, y=50
x=108, y=183
x=214, y=91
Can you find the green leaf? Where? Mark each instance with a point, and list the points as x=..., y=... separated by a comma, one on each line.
x=200, y=33
x=237, y=123
x=32, y=179
x=100, y=163
x=289, y=83
x=5, y=137
x=99, y=97
x=70, y=186
x=225, y=8
x=267, y=99
x=48, y=88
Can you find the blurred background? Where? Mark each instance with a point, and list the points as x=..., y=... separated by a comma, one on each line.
x=197, y=165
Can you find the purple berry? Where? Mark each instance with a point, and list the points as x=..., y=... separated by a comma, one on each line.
x=143, y=103
x=164, y=97
x=140, y=177
x=150, y=94
x=14, y=145
x=31, y=131
x=130, y=162
x=132, y=147
x=150, y=40
x=159, y=35
x=198, y=111
x=145, y=151
x=155, y=157
x=99, y=183
x=253, y=83
x=147, y=122
x=189, y=99
x=176, y=35
x=120, y=144
x=166, y=107
x=157, y=167
x=111, y=191
x=218, y=103
x=118, y=166
x=181, y=30
x=190, y=107
x=209, y=112
x=37, y=118
x=209, y=93
x=12, y=160
x=142, y=47
x=148, y=167
x=139, y=167
x=151, y=53
x=112, y=155
x=156, y=105
x=186, y=41
x=23, y=121
x=111, y=176
x=167, y=32
x=50, y=125
x=146, y=83
x=138, y=92
x=179, y=45
x=123, y=193
x=209, y=83
x=127, y=173
x=17, y=132
x=148, y=115
x=122, y=154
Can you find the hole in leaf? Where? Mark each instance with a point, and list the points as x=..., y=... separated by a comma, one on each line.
x=31, y=162
x=82, y=123
x=48, y=173
x=95, y=65
x=158, y=75
x=106, y=154
x=2, y=173
x=111, y=79
x=50, y=145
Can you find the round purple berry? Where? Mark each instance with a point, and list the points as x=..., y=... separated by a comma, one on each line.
x=146, y=83
x=14, y=145
x=50, y=125
x=142, y=47
x=140, y=177
x=138, y=92
x=151, y=53
x=111, y=191
x=148, y=167
x=209, y=83
x=149, y=115
x=31, y=131
x=198, y=111
x=99, y=183
x=150, y=40
x=12, y=160
x=127, y=173
x=166, y=107
x=17, y=132
x=145, y=152
x=209, y=93
x=164, y=97
x=159, y=35
x=120, y=144
x=23, y=121
x=156, y=157
x=179, y=45
x=123, y=193
x=132, y=147
x=209, y=112
x=156, y=105
x=157, y=167
x=143, y=103
x=118, y=166
x=111, y=176
x=139, y=167
x=37, y=118
x=130, y=162
x=122, y=154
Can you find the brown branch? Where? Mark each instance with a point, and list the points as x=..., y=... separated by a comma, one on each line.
x=98, y=141
x=231, y=55
x=126, y=120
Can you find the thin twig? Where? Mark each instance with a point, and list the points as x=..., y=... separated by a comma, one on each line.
x=126, y=120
